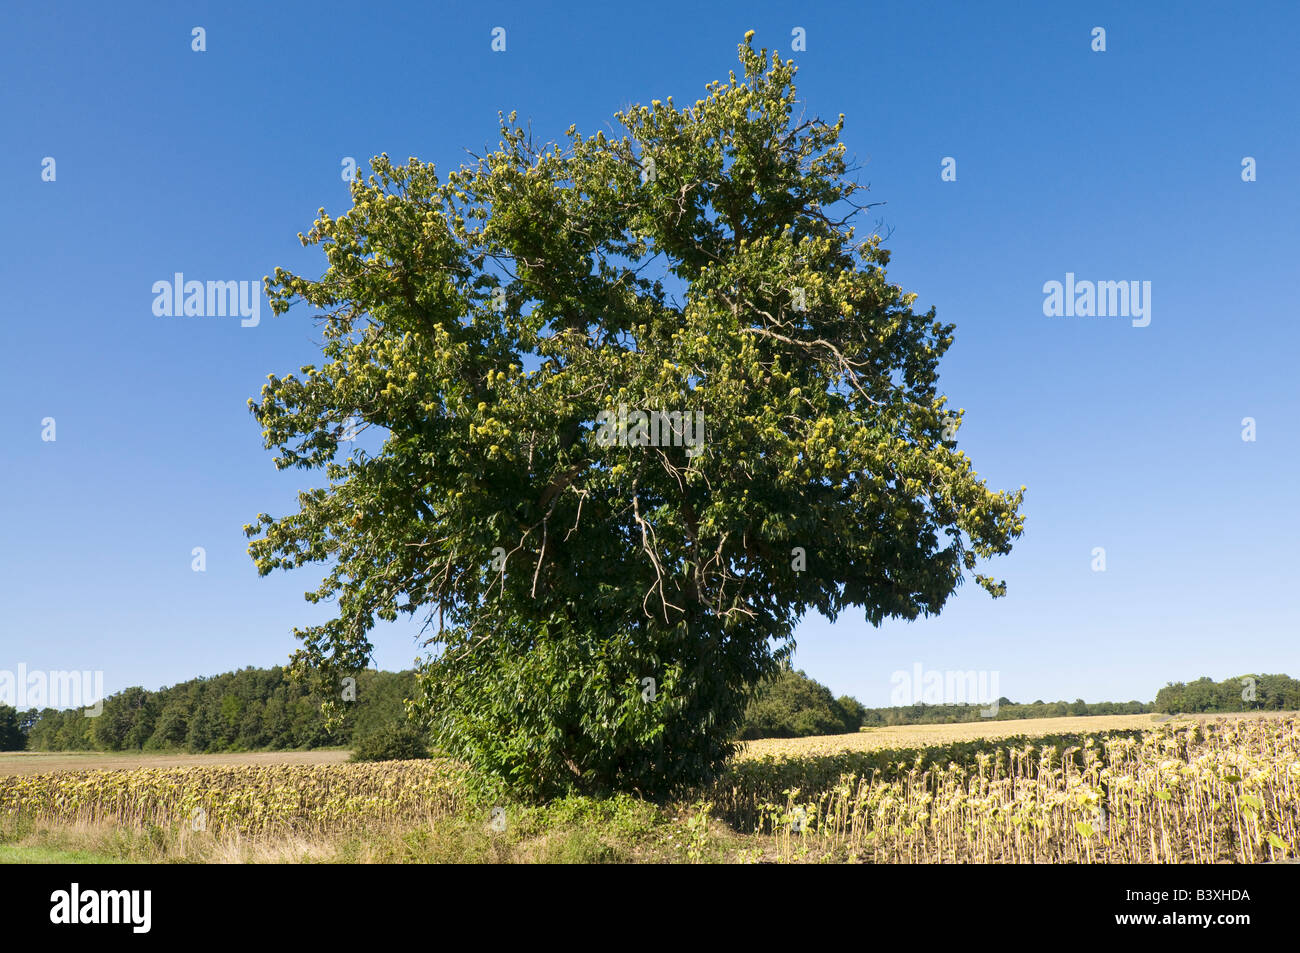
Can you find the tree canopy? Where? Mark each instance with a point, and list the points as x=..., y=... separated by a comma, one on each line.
x=12, y=737
x=792, y=705
x=601, y=609
x=237, y=711
x=1241, y=693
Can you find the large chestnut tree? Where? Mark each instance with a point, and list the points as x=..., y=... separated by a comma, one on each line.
x=599, y=610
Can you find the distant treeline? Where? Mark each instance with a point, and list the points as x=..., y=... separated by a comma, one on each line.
x=1243, y=693
x=792, y=705
x=265, y=709
x=239, y=711
x=1006, y=710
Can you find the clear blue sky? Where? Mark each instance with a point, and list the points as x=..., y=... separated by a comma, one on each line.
x=1122, y=165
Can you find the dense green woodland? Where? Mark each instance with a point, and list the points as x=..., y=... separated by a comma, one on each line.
x=238, y=711
x=265, y=709
x=1243, y=693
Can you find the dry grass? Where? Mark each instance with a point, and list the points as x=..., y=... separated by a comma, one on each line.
x=924, y=736
x=410, y=830
x=900, y=736
x=1125, y=789
x=44, y=762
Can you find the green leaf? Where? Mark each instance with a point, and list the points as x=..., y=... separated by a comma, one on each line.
x=496, y=332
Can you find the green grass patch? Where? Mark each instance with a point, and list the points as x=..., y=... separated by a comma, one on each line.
x=50, y=855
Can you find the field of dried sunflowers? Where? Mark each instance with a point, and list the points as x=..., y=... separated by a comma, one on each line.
x=243, y=799
x=1213, y=792
x=1220, y=791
